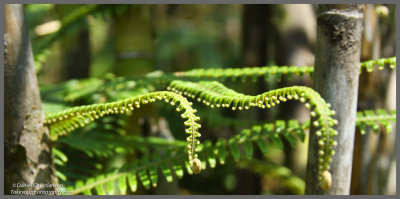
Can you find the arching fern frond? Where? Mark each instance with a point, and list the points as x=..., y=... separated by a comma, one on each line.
x=215, y=94
x=65, y=121
x=372, y=119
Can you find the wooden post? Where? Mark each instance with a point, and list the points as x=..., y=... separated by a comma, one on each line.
x=339, y=29
x=27, y=148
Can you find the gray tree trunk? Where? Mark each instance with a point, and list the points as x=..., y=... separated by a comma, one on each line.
x=339, y=29
x=27, y=142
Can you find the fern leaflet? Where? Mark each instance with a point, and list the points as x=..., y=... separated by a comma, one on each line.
x=369, y=118
x=214, y=94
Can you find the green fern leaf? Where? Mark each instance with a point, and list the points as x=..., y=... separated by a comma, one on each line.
x=177, y=168
x=277, y=141
x=294, y=126
x=221, y=151
x=262, y=145
x=79, y=184
x=87, y=191
x=99, y=187
x=167, y=172
x=142, y=173
x=210, y=153
x=203, y=161
x=234, y=149
x=110, y=185
x=153, y=170
x=248, y=148
x=188, y=168
x=122, y=184
x=290, y=138
x=132, y=181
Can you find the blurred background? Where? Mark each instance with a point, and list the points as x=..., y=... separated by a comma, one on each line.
x=96, y=42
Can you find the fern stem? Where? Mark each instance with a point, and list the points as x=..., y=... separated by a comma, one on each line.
x=65, y=121
x=214, y=94
x=372, y=118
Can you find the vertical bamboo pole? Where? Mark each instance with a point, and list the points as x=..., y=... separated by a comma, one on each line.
x=27, y=151
x=339, y=28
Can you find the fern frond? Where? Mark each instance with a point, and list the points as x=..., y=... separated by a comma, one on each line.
x=88, y=87
x=65, y=121
x=215, y=94
x=291, y=129
x=372, y=119
x=146, y=170
x=127, y=176
x=369, y=65
x=252, y=72
x=276, y=71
